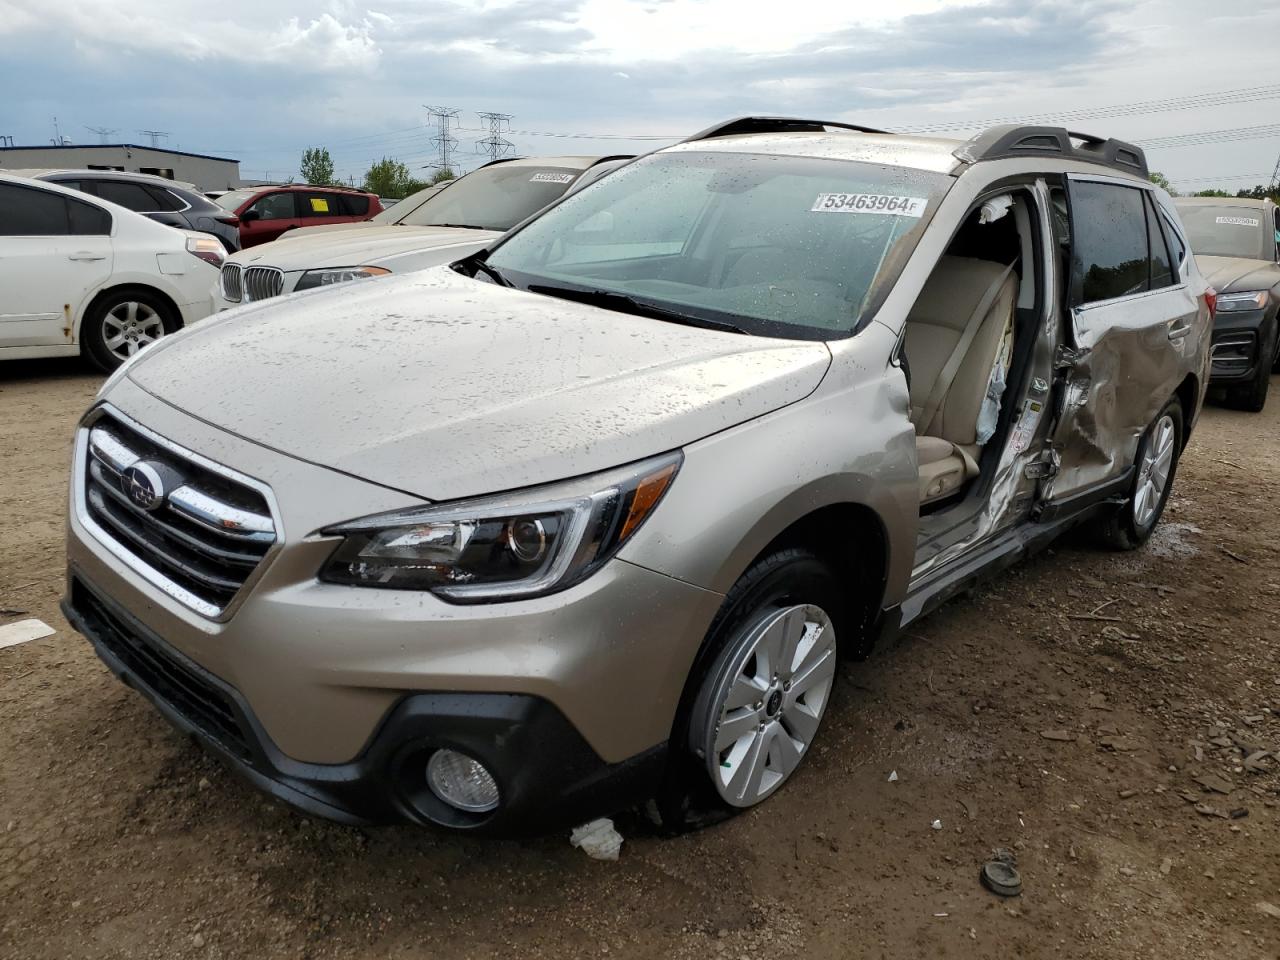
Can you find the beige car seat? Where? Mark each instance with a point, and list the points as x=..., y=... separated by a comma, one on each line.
x=959, y=329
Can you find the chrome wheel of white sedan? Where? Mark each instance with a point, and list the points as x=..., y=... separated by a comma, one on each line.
x=770, y=701
x=129, y=326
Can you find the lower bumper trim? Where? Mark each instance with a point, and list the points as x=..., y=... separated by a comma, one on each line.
x=548, y=776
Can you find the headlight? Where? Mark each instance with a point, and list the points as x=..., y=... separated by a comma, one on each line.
x=323, y=278
x=505, y=547
x=1248, y=300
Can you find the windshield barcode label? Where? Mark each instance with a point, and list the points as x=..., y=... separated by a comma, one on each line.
x=869, y=203
x=551, y=178
x=1239, y=221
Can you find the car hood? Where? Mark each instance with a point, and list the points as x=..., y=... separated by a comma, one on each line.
x=444, y=386
x=1232, y=274
x=351, y=248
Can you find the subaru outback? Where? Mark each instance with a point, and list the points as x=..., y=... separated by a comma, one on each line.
x=587, y=520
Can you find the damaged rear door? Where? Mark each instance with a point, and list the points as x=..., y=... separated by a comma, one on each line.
x=1128, y=341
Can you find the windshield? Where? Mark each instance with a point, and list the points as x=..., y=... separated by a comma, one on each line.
x=1227, y=231
x=399, y=210
x=492, y=198
x=233, y=198
x=775, y=245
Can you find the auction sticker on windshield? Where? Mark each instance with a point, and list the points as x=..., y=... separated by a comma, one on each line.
x=869, y=203
x=1239, y=221
x=551, y=178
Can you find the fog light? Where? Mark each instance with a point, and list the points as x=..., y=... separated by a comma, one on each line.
x=461, y=782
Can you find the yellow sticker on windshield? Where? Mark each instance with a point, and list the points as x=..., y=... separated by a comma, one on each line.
x=319, y=205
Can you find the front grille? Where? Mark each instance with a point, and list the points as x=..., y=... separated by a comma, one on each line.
x=200, y=536
x=182, y=688
x=231, y=282
x=262, y=283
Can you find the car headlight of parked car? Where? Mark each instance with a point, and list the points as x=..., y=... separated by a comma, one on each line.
x=505, y=547
x=332, y=275
x=1245, y=300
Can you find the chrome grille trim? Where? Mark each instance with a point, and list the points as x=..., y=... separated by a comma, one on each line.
x=202, y=551
x=262, y=283
x=231, y=286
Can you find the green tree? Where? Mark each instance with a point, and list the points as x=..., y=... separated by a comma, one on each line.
x=1261, y=192
x=441, y=175
x=1211, y=193
x=391, y=178
x=317, y=166
x=1160, y=180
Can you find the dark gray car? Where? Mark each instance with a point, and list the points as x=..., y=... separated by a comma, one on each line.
x=1236, y=242
x=162, y=200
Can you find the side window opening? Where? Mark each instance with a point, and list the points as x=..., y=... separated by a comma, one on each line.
x=275, y=206
x=968, y=340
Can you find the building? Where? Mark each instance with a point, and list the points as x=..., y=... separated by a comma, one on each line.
x=207, y=173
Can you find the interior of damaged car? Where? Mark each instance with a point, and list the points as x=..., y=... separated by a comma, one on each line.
x=966, y=347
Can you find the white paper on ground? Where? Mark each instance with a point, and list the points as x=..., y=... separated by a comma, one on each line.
x=12, y=634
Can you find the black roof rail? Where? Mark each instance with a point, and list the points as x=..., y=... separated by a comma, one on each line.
x=743, y=125
x=1016, y=140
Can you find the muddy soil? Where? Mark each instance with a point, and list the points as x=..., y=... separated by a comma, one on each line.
x=1084, y=710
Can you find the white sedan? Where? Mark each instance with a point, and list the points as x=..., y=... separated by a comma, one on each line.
x=80, y=275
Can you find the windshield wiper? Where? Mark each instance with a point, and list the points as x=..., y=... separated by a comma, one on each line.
x=461, y=226
x=491, y=272
x=624, y=303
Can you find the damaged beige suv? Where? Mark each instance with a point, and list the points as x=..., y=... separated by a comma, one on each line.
x=587, y=520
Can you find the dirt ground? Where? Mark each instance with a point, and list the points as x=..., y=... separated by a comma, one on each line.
x=1065, y=711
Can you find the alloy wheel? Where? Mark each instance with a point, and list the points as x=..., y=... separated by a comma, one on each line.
x=770, y=701
x=1153, y=471
x=129, y=326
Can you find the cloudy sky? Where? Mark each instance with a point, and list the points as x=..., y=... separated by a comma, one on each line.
x=262, y=81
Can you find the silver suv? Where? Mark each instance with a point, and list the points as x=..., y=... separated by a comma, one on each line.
x=590, y=518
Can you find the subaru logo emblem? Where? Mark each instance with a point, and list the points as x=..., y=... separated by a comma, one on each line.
x=142, y=484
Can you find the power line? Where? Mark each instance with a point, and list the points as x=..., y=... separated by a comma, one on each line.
x=1191, y=102
x=1213, y=136
x=1234, y=176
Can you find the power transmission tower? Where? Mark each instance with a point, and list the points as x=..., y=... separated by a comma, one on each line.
x=495, y=144
x=102, y=132
x=1275, y=175
x=444, y=140
x=155, y=136
x=6, y=141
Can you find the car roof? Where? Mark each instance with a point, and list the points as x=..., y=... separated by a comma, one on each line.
x=1222, y=201
x=41, y=174
x=837, y=140
x=933, y=154
x=301, y=186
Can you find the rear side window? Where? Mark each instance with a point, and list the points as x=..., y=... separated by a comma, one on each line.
x=132, y=196
x=163, y=199
x=321, y=204
x=1161, y=272
x=354, y=204
x=1110, y=256
x=274, y=206
x=28, y=212
x=86, y=220
x=1177, y=246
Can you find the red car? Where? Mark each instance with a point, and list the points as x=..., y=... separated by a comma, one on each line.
x=266, y=212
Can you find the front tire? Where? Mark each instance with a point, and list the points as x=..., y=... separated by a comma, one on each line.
x=758, y=692
x=122, y=323
x=1156, y=465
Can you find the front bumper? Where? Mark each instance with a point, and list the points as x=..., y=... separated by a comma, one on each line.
x=547, y=774
x=1236, y=345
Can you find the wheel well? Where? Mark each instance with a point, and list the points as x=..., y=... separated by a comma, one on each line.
x=850, y=537
x=175, y=315
x=1188, y=393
